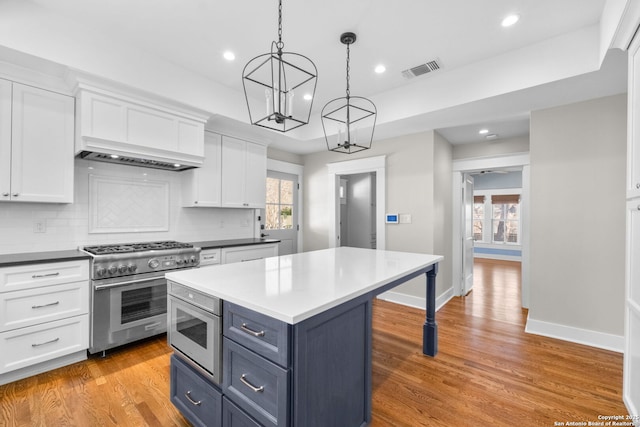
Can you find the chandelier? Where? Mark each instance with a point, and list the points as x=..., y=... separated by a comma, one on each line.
x=279, y=86
x=349, y=122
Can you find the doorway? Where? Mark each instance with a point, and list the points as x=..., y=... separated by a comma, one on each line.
x=350, y=167
x=358, y=210
x=460, y=168
x=281, y=211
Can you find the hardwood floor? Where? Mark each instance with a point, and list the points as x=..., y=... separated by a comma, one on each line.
x=488, y=372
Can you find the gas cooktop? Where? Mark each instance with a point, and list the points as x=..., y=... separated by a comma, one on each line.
x=135, y=247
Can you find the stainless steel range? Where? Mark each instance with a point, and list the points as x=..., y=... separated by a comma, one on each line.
x=129, y=291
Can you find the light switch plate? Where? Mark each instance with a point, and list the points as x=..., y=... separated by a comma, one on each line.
x=405, y=218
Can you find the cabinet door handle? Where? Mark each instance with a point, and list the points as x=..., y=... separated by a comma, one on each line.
x=16, y=194
x=40, y=276
x=193, y=402
x=45, y=305
x=5, y=194
x=243, y=378
x=248, y=330
x=47, y=342
x=638, y=185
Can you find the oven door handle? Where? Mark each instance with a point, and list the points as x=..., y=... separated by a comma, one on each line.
x=128, y=282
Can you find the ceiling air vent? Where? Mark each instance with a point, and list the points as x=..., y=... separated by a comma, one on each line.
x=426, y=68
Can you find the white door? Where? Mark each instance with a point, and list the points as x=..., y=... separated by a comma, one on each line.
x=467, y=234
x=281, y=211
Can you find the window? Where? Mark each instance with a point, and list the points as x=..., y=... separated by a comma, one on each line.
x=279, y=206
x=478, y=218
x=506, y=218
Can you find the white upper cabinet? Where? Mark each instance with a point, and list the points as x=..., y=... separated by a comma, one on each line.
x=131, y=126
x=202, y=186
x=36, y=144
x=244, y=173
x=633, y=123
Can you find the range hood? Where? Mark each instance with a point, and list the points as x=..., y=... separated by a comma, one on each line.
x=127, y=127
x=133, y=161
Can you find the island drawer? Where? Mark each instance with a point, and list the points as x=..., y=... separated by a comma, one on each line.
x=232, y=416
x=262, y=334
x=258, y=386
x=197, y=399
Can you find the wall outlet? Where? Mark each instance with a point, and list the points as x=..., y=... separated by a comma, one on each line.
x=40, y=226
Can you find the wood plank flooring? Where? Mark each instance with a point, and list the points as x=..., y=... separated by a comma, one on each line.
x=488, y=372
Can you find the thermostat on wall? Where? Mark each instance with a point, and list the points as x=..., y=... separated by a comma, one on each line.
x=392, y=219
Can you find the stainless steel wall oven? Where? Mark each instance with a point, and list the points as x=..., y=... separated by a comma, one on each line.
x=195, y=329
x=129, y=291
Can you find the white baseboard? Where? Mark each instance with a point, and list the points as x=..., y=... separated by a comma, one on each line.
x=498, y=257
x=414, y=301
x=576, y=335
x=41, y=367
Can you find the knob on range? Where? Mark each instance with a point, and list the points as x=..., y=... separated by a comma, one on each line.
x=101, y=271
x=113, y=269
x=154, y=263
x=122, y=268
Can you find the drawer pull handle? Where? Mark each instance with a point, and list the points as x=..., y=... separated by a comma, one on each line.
x=243, y=378
x=45, y=305
x=248, y=330
x=193, y=402
x=44, y=343
x=40, y=276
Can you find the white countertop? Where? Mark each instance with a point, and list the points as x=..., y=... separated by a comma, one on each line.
x=296, y=287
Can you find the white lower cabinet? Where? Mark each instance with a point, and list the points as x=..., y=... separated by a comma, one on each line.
x=44, y=317
x=43, y=342
x=249, y=253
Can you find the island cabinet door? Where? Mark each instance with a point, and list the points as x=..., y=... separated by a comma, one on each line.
x=332, y=367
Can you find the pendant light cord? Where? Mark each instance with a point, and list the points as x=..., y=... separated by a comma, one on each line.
x=280, y=44
x=348, y=69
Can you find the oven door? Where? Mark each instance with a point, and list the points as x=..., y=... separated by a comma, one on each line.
x=196, y=334
x=124, y=311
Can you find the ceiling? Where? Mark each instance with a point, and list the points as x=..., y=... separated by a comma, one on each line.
x=491, y=77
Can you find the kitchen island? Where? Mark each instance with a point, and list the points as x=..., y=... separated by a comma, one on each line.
x=297, y=332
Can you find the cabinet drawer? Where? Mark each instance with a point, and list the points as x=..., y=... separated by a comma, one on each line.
x=256, y=385
x=209, y=257
x=32, y=306
x=35, y=344
x=198, y=400
x=232, y=416
x=29, y=276
x=248, y=253
x=262, y=334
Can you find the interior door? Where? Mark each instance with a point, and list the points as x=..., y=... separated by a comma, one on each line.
x=281, y=211
x=467, y=234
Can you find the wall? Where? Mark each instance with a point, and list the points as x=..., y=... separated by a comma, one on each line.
x=414, y=165
x=578, y=161
x=67, y=225
x=493, y=148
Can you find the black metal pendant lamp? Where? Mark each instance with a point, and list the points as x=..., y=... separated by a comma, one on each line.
x=279, y=86
x=349, y=122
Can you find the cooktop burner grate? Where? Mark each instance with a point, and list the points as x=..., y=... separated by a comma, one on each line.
x=135, y=247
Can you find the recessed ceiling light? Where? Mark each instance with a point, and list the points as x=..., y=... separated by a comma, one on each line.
x=483, y=131
x=307, y=97
x=229, y=56
x=492, y=136
x=176, y=165
x=510, y=20
x=380, y=69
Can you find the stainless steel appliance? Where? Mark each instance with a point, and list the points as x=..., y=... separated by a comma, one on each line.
x=129, y=291
x=195, y=329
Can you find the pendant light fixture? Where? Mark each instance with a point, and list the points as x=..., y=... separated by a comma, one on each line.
x=349, y=122
x=279, y=86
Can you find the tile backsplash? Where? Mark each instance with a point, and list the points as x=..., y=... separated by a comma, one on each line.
x=35, y=227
